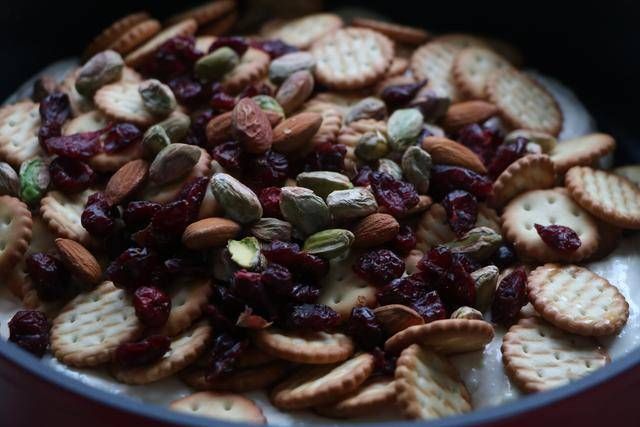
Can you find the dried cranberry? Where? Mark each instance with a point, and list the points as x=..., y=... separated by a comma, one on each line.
x=255, y=89
x=462, y=211
x=221, y=101
x=174, y=57
x=46, y=131
x=510, y=297
x=266, y=170
x=71, y=175
x=397, y=96
x=481, y=140
x=304, y=293
x=228, y=155
x=138, y=214
x=185, y=266
x=405, y=240
x=152, y=306
x=503, y=257
x=193, y=193
x=270, y=201
x=145, y=352
x=98, y=218
x=362, y=177
x=135, y=267
x=283, y=253
x=278, y=279
x=450, y=275
x=445, y=179
x=29, y=329
x=313, y=317
x=55, y=109
x=197, y=132
x=224, y=353
x=415, y=293
x=238, y=44
x=364, y=328
x=299, y=262
x=505, y=155
x=48, y=275
x=326, y=157
x=77, y=146
x=379, y=266
x=559, y=237
x=384, y=363
x=227, y=303
x=169, y=222
x=274, y=48
x=397, y=196
x=249, y=288
x=187, y=90
x=120, y=136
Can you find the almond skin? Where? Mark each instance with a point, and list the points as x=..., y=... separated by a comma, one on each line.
x=465, y=113
x=219, y=129
x=296, y=132
x=79, y=261
x=447, y=152
x=209, y=232
x=251, y=126
x=397, y=317
x=126, y=181
x=374, y=230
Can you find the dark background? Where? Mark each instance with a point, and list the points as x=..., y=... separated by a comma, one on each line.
x=593, y=47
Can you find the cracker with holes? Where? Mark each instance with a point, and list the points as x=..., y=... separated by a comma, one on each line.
x=221, y=26
x=135, y=36
x=397, y=32
x=253, y=67
x=631, y=172
x=189, y=296
x=373, y=395
x=447, y=336
x=610, y=197
x=548, y=207
x=331, y=121
x=19, y=124
x=320, y=385
x=220, y=406
x=538, y=356
x=113, y=32
x=471, y=70
x=577, y=300
x=428, y=386
x=62, y=214
x=122, y=102
x=304, y=346
x=304, y=31
x=352, y=58
x=524, y=103
x=582, y=151
x=205, y=13
x=240, y=381
x=92, y=121
x=15, y=231
x=185, y=28
x=532, y=172
x=92, y=325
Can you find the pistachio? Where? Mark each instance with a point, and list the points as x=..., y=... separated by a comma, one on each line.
x=479, y=243
x=269, y=105
x=103, y=68
x=216, y=64
x=269, y=229
x=34, y=180
x=157, y=97
x=43, y=86
x=468, y=313
x=486, y=280
x=433, y=130
x=281, y=68
x=238, y=201
x=431, y=104
x=9, y=180
x=295, y=90
x=245, y=252
x=372, y=146
x=416, y=167
x=173, y=162
x=328, y=244
x=546, y=141
x=390, y=167
x=533, y=148
x=403, y=128
x=350, y=204
x=367, y=108
x=223, y=266
x=176, y=126
x=306, y=211
x=155, y=139
x=323, y=182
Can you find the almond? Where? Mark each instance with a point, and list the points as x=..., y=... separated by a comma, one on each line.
x=219, y=129
x=295, y=90
x=447, y=152
x=79, y=261
x=251, y=126
x=374, y=230
x=296, y=132
x=466, y=113
x=209, y=232
x=397, y=317
x=126, y=181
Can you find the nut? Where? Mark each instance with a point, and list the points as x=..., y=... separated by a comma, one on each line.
x=43, y=86
x=416, y=167
x=331, y=243
x=79, y=261
x=411, y=261
x=465, y=113
x=295, y=90
x=157, y=97
x=306, y=211
x=546, y=141
x=296, y=132
x=486, y=280
x=403, y=128
x=375, y=229
x=424, y=203
x=390, y=167
x=431, y=104
x=220, y=129
x=479, y=243
x=447, y=152
x=251, y=126
x=350, y=204
x=397, y=317
x=176, y=126
x=269, y=229
x=209, y=233
x=238, y=201
x=281, y=68
x=323, y=182
x=215, y=65
x=9, y=180
x=34, y=180
x=465, y=312
x=103, y=68
x=245, y=252
x=175, y=161
x=126, y=181
x=154, y=140
x=223, y=267
x=372, y=146
x=367, y=108
x=271, y=108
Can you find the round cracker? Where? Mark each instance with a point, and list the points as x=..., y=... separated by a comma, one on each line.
x=113, y=32
x=631, y=172
x=19, y=125
x=531, y=172
x=62, y=213
x=220, y=26
x=538, y=356
x=369, y=398
x=135, y=36
x=122, y=102
x=399, y=33
x=15, y=231
x=304, y=31
x=304, y=346
x=140, y=55
x=471, y=70
x=398, y=67
x=240, y=380
x=253, y=67
x=87, y=122
x=331, y=121
x=189, y=296
x=205, y=13
x=434, y=62
x=220, y=406
x=462, y=40
x=582, y=151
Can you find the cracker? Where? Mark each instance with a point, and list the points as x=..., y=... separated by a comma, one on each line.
x=185, y=349
x=398, y=67
x=92, y=325
x=610, y=197
x=428, y=386
x=92, y=121
x=331, y=122
x=434, y=62
x=62, y=214
x=581, y=151
x=19, y=125
x=462, y=40
x=531, y=172
x=253, y=67
x=320, y=385
x=122, y=102
x=111, y=162
x=631, y=172
x=399, y=33
x=352, y=58
x=15, y=232
x=304, y=346
x=205, y=13
x=136, y=36
x=189, y=296
x=447, y=336
x=220, y=26
x=538, y=356
x=220, y=406
x=240, y=380
x=545, y=207
x=374, y=394
x=471, y=70
x=136, y=58
x=304, y=31
x=523, y=102
x=113, y=32
x=203, y=43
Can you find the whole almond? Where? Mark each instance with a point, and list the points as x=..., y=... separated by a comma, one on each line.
x=465, y=113
x=374, y=230
x=219, y=129
x=79, y=261
x=209, y=232
x=126, y=181
x=396, y=317
x=296, y=132
x=447, y=152
x=251, y=126
x=295, y=90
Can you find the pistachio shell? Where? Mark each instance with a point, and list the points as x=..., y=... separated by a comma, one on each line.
x=465, y=312
x=295, y=90
x=103, y=68
x=216, y=64
x=486, y=280
x=34, y=180
x=331, y=243
x=9, y=180
x=323, y=182
x=390, y=167
x=432, y=105
x=372, y=146
x=157, y=97
x=245, y=252
x=306, y=211
x=479, y=243
x=350, y=204
x=269, y=104
x=416, y=167
x=173, y=162
x=155, y=139
x=403, y=128
x=269, y=229
x=238, y=201
x=176, y=126
x=223, y=266
x=281, y=68
x=367, y=108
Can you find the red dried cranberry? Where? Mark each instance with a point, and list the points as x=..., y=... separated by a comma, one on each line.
x=559, y=237
x=283, y=253
x=450, y=275
x=135, y=267
x=510, y=297
x=152, y=306
x=55, y=108
x=312, y=317
x=274, y=48
x=224, y=353
x=138, y=214
x=277, y=278
x=46, y=131
x=174, y=57
x=254, y=90
x=326, y=157
x=197, y=132
x=445, y=179
x=249, y=288
x=120, y=136
x=397, y=196
x=379, y=266
x=221, y=101
x=309, y=266
x=415, y=293
x=266, y=170
x=48, y=275
x=397, y=96
x=270, y=201
x=191, y=266
x=481, y=140
x=405, y=240
x=238, y=44
x=430, y=307
x=228, y=155
x=193, y=193
x=77, y=146
x=303, y=293
x=384, y=363
x=145, y=352
x=462, y=211
x=187, y=90
x=503, y=257
x=98, y=218
x=71, y=175
x=364, y=328
x=29, y=329
x=362, y=177
x=170, y=221
x=227, y=303
x=505, y=155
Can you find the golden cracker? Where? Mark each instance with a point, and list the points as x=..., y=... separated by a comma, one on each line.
x=205, y=13
x=304, y=346
x=302, y=32
x=113, y=32
x=582, y=151
x=136, y=58
x=532, y=172
x=253, y=67
x=135, y=36
x=241, y=380
x=19, y=125
x=374, y=394
x=434, y=62
x=397, y=32
x=15, y=232
x=189, y=296
x=331, y=121
x=631, y=172
x=62, y=214
x=122, y=102
x=92, y=121
x=398, y=67
x=472, y=68
x=220, y=26
x=220, y=406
